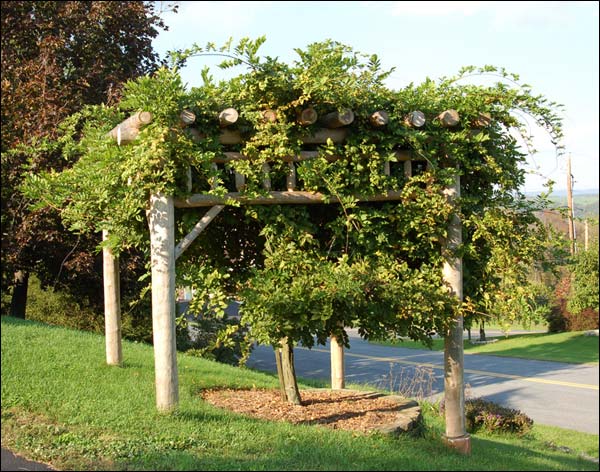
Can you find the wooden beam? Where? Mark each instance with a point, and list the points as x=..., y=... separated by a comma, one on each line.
x=320, y=136
x=228, y=156
x=269, y=116
x=198, y=228
x=483, y=120
x=228, y=117
x=161, y=222
x=126, y=131
x=112, y=305
x=187, y=117
x=379, y=118
x=337, y=119
x=415, y=119
x=276, y=198
x=449, y=118
x=306, y=117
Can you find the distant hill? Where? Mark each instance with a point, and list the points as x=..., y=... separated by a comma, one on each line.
x=586, y=203
x=585, y=206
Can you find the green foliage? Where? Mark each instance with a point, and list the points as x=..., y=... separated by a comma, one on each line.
x=584, y=289
x=210, y=332
x=376, y=266
x=56, y=58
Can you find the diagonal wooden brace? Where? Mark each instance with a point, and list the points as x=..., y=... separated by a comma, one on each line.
x=195, y=232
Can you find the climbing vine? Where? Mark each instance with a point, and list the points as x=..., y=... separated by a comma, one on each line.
x=306, y=271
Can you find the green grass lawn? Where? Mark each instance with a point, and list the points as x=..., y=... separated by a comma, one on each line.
x=572, y=347
x=62, y=404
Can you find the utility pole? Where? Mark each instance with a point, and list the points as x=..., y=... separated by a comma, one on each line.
x=570, y=205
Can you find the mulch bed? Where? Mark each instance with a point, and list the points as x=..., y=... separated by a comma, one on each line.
x=336, y=409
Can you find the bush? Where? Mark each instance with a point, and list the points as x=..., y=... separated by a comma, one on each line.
x=55, y=307
x=489, y=416
x=561, y=318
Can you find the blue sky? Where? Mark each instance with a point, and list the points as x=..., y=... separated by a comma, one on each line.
x=553, y=46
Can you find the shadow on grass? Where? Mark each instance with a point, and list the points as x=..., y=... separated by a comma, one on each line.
x=288, y=452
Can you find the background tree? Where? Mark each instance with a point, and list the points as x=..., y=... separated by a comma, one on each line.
x=57, y=57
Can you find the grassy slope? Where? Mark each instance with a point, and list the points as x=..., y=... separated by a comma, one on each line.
x=62, y=404
x=572, y=347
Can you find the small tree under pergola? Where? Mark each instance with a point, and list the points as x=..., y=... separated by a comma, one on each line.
x=326, y=132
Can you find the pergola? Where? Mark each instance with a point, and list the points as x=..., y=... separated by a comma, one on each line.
x=165, y=250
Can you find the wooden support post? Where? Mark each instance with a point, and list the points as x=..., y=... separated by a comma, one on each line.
x=454, y=393
x=161, y=222
x=291, y=177
x=112, y=305
x=188, y=179
x=386, y=168
x=337, y=363
x=214, y=181
x=240, y=181
x=586, y=234
x=279, y=367
x=266, y=170
x=198, y=228
x=408, y=169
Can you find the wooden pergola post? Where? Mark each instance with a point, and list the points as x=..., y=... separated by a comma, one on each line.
x=454, y=392
x=161, y=221
x=337, y=363
x=112, y=305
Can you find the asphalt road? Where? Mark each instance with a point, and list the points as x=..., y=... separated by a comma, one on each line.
x=551, y=393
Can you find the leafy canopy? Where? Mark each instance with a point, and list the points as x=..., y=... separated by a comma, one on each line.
x=312, y=269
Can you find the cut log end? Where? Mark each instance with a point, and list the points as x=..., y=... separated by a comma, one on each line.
x=415, y=119
x=338, y=119
x=379, y=118
x=269, y=116
x=449, y=118
x=307, y=117
x=228, y=117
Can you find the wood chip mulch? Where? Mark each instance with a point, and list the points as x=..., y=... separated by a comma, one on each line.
x=336, y=409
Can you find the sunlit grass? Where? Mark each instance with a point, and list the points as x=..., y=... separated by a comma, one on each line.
x=62, y=404
x=574, y=347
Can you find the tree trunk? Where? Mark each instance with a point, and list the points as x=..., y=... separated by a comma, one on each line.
x=289, y=373
x=18, y=302
x=277, y=352
x=482, y=331
x=469, y=334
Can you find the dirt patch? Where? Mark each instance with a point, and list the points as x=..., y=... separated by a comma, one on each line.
x=337, y=409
